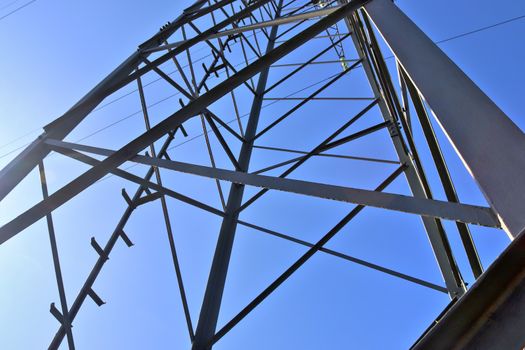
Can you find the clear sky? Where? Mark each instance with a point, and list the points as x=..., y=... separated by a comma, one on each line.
x=54, y=51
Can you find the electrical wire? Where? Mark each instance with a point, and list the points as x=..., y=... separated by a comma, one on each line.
x=480, y=29
x=461, y=35
x=17, y=9
x=230, y=122
x=106, y=104
x=9, y=4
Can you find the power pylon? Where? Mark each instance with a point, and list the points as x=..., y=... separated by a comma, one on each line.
x=257, y=55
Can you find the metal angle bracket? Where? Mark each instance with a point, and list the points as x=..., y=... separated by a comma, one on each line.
x=181, y=127
x=94, y=296
x=57, y=314
x=128, y=199
x=99, y=249
x=126, y=239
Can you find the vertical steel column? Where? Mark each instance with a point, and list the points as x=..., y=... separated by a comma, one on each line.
x=66, y=320
x=490, y=145
x=215, y=287
x=442, y=169
x=439, y=244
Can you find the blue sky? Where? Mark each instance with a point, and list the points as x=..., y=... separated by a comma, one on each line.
x=55, y=51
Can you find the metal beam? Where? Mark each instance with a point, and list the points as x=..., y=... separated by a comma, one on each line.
x=97, y=268
x=299, y=262
x=372, y=57
x=16, y=170
x=211, y=304
x=140, y=181
x=491, y=315
x=442, y=169
x=165, y=214
x=348, y=258
x=259, y=25
x=193, y=41
x=306, y=100
x=76, y=186
x=303, y=65
x=343, y=156
x=488, y=142
x=301, y=160
x=65, y=319
x=421, y=206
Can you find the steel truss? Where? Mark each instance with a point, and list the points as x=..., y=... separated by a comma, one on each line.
x=264, y=32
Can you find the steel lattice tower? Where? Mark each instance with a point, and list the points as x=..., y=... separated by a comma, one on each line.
x=257, y=56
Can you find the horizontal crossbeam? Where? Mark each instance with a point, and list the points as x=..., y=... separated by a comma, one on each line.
x=426, y=207
x=146, y=184
x=247, y=28
x=173, y=121
x=486, y=139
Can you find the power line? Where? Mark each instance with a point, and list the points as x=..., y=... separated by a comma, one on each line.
x=17, y=9
x=9, y=4
x=109, y=103
x=106, y=104
x=95, y=110
x=461, y=35
x=229, y=122
x=113, y=101
x=264, y=106
x=480, y=29
x=20, y=137
x=184, y=142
